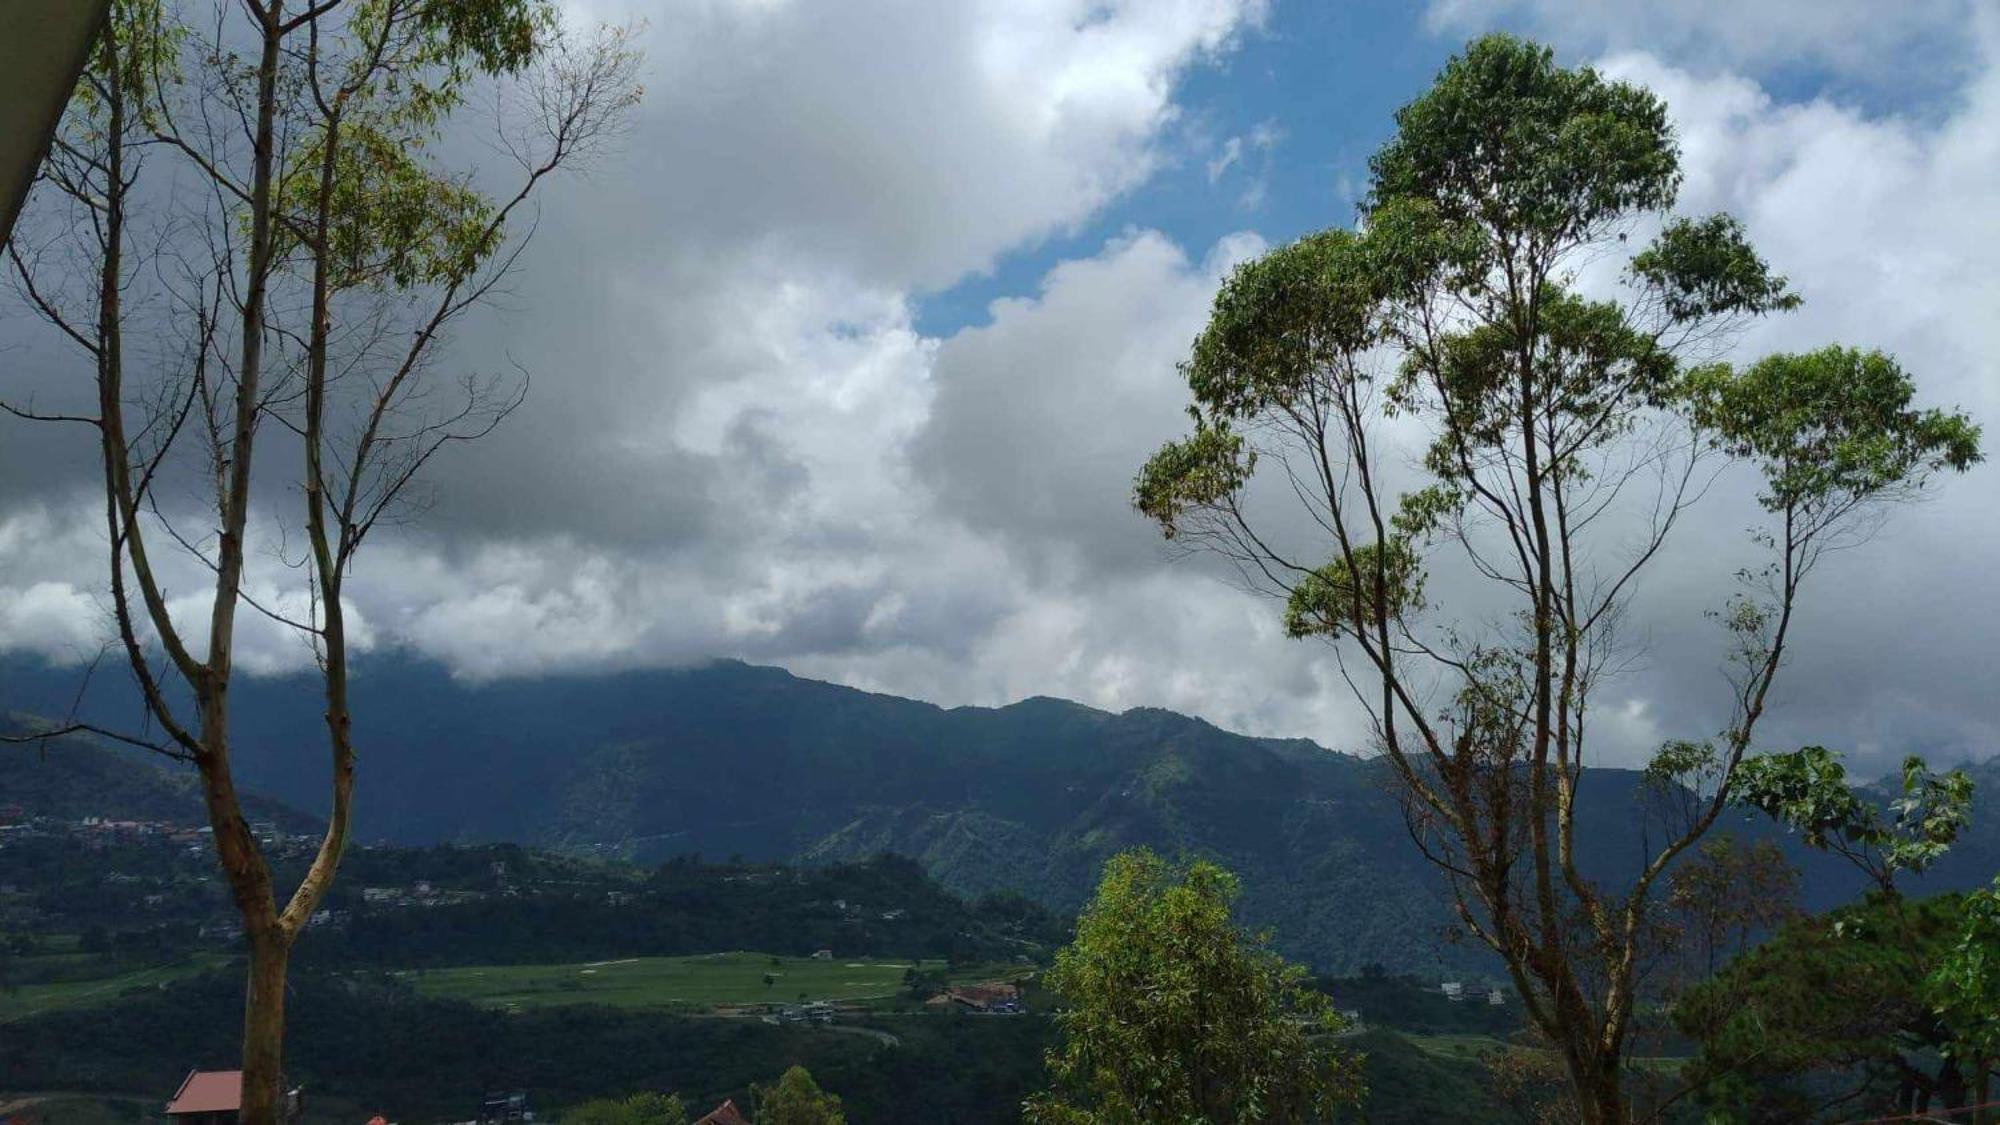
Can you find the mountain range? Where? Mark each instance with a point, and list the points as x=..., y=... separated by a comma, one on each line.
x=730, y=759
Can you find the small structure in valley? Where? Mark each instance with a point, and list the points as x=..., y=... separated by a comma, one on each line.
x=504, y=1107
x=215, y=1097
x=992, y=997
x=207, y=1097
x=724, y=1114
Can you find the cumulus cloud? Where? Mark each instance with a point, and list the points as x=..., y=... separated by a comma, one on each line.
x=54, y=603
x=1915, y=42
x=908, y=144
x=740, y=443
x=1874, y=217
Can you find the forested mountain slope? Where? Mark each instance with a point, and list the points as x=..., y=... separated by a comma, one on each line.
x=731, y=759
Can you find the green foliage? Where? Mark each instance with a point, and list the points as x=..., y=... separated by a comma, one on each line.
x=498, y=36
x=797, y=1100
x=1507, y=139
x=1681, y=762
x=1590, y=372
x=1332, y=599
x=644, y=1108
x=1727, y=895
x=1807, y=791
x=1964, y=989
x=1206, y=469
x=1172, y=1014
x=1284, y=320
x=1836, y=1000
x=142, y=50
x=1701, y=268
x=672, y=911
x=1830, y=428
x=393, y=222
x=369, y=1041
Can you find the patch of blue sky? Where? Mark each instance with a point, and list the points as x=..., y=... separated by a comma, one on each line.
x=1275, y=137
x=1305, y=100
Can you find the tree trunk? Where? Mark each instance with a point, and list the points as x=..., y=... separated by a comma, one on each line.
x=1951, y=1086
x=1600, y=1092
x=264, y=1030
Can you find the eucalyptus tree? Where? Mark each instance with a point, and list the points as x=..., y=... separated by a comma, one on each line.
x=248, y=232
x=1564, y=426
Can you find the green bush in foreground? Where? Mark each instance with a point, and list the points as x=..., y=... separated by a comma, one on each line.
x=1172, y=1014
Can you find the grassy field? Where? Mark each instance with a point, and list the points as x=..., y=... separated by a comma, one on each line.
x=700, y=982
x=29, y=1000
x=1471, y=1048
x=1464, y=1047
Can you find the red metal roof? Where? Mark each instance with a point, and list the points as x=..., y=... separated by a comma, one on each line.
x=209, y=1091
x=724, y=1114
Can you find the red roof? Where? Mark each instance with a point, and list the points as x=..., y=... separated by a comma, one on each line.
x=209, y=1091
x=724, y=1114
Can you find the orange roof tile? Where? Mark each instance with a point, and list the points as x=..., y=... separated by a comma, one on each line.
x=209, y=1091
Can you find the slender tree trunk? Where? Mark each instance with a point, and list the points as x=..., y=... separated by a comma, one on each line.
x=263, y=931
x=250, y=876
x=264, y=1028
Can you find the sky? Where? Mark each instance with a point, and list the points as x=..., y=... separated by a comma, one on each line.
x=844, y=360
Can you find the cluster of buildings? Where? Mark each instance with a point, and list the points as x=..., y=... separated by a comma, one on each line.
x=856, y=910
x=99, y=831
x=419, y=893
x=215, y=1097
x=1462, y=992
x=813, y=1011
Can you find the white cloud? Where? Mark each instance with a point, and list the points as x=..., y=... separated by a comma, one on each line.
x=1250, y=154
x=740, y=443
x=1878, y=220
x=909, y=144
x=1910, y=43
x=55, y=600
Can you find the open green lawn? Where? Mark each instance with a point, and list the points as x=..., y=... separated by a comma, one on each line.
x=680, y=982
x=29, y=1000
x=1456, y=1046
x=1471, y=1048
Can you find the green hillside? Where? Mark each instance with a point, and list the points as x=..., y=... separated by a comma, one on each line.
x=729, y=759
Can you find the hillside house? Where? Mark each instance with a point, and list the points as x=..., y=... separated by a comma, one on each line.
x=215, y=1097
x=724, y=1114
x=993, y=997
x=207, y=1097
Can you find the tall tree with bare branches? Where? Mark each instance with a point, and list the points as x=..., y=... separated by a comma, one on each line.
x=1560, y=440
x=245, y=230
